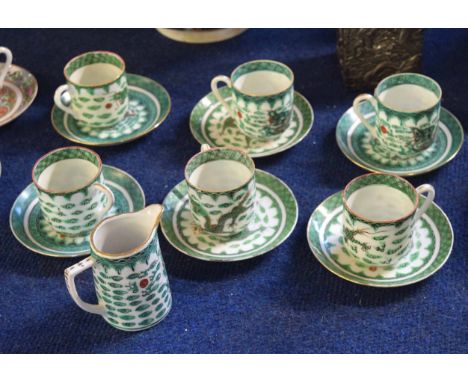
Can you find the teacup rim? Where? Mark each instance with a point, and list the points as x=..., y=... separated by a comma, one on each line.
x=252, y=175
x=439, y=98
x=40, y=188
x=372, y=221
x=121, y=73
x=291, y=83
x=125, y=254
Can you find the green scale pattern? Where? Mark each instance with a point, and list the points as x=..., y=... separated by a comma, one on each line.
x=135, y=290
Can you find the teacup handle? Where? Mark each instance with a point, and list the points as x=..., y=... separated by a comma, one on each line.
x=215, y=90
x=424, y=188
x=205, y=147
x=6, y=65
x=357, y=101
x=58, y=99
x=109, y=194
x=70, y=274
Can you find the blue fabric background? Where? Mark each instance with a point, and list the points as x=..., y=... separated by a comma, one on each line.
x=282, y=302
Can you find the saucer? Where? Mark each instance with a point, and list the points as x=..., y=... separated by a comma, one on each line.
x=149, y=105
x=31, y=229
x=210, y=123
x=276, y=217
x=432, y=244
x=200, y=35
x=356, y=144
x=17, y=94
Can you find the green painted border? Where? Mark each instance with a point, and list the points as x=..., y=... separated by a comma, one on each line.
x=30, y=193
x=262, y=178
x=145, y=83
x=334, y=201
x=446, y=117
x=207, y=101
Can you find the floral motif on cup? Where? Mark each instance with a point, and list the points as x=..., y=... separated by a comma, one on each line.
x=263, y=117
x=407, y=136
x=8, y=100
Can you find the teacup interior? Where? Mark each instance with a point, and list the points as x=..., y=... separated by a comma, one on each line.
x=95, y=74
x=379, y=201
x=261, y=78
x=67, y=170
x=121, y=235
x=219, y=170
x=408, y=92
x=220, y=175
x=94, y=69
x=408, y=98
x=262, y=82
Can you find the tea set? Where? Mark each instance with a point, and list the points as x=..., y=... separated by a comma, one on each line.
x=379, y=231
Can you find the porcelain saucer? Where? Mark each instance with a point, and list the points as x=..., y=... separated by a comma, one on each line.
x=200, y=35
x=210, y=123
x=149, y=105
x=432, y=245
x=31, y=229
x=17, y=94
x=354, y=140
x=276, y=217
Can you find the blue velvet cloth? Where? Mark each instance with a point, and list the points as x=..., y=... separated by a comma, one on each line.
x=283, y=302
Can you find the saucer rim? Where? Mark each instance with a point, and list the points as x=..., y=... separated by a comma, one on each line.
x=158, y=123
x=370, y=282
x=406, y=173
x=27, y=105
x=263, y=154
x=65, y=256
x=253, y=255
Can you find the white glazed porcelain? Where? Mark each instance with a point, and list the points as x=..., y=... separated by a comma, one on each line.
x=380, y=212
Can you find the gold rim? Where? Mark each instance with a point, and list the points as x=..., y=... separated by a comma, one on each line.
x=243, y=152
x=350, y=210
x=267, y=95
x=96, y=155
x=414, y=74
x=406, y=174
x=99, y=144
x=123, y=255
x=122, y=70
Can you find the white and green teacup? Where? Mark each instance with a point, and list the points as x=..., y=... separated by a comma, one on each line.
x=262, y=97
x=71, y=194
x=380, y=212
x=221, y=189
x=407, y=107
x=96, y=87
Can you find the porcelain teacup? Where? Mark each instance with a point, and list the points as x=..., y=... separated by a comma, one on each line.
x=407, y=109
x=262, y=97
x=72, y=195
x=96, y=90
x=221, y=189
x=130, y=278
x=379, y=215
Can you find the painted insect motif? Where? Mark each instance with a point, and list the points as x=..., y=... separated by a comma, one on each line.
x=351, y=236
